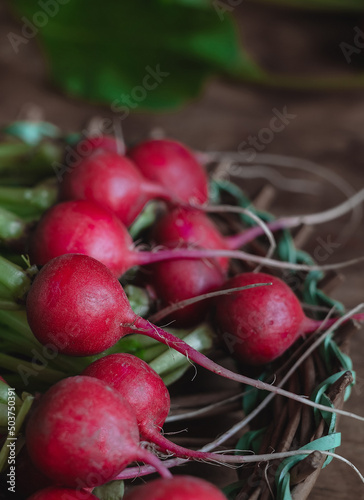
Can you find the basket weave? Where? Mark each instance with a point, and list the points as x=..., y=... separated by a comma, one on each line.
x=289, y=425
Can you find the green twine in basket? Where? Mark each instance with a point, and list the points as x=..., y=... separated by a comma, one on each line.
x=329, y=351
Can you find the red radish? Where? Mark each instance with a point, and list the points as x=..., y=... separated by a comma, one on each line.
x=147, y=394
x=187, y=225
x=176, y=488
x=78, y=306
x=83, y=433
x=59, y=493
x=114, y=182
x=174, y=166
x=81, y=226
x=180, y=279
x=261, y=325
x=139, y=384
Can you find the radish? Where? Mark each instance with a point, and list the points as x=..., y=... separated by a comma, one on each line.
x=82, y=433
x=261, y=325
x=114, y=182
x=59, y=493
x=80, y=226
x=147, y=394
x=177, y=280
x=176, y=488
x=188, y=225
x=78, y=306
x=173, y=166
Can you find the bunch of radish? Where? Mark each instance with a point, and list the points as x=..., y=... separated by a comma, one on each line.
x=85, y=430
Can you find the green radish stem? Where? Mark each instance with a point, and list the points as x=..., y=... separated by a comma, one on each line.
x=14, y=280
x=23, y=200
x=43, y=373
x=12, y=227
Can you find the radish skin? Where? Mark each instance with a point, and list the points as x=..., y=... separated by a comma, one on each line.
x=177, y=488
x=77, y=305
x=262, y=324
x=59, y=493
x=173, y=166
x=82, y=433
x=112, y=181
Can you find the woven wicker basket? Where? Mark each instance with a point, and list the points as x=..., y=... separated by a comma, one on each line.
x=288, y=425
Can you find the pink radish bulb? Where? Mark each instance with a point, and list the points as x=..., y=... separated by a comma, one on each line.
x=189, y=226
x=177, y=280
x=77, y=306
x=83, y=433
x=147, y=394
x=112, y=181
x=176, y=488
x=173, y=166
x=180, y=279
x=139, y=384
x=60, y=493
x=81, y=226
x=261, y=325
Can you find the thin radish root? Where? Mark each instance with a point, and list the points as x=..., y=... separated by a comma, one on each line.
x=184, y=303
x=264, y=227
x=144, y=258
x=228, y=159
x=249, y=235
x=243, y=423
x=143, y=326
x=133, y=472
x=202, y=411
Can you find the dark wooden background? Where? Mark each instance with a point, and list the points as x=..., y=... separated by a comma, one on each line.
x=328, y=128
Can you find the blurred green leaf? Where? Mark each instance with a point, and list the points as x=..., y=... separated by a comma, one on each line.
x=137, y=55
x=114, y=490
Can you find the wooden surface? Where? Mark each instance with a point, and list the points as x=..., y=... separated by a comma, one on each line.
x=327, y=128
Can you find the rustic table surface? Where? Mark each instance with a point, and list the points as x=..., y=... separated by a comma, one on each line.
x=327, y=127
